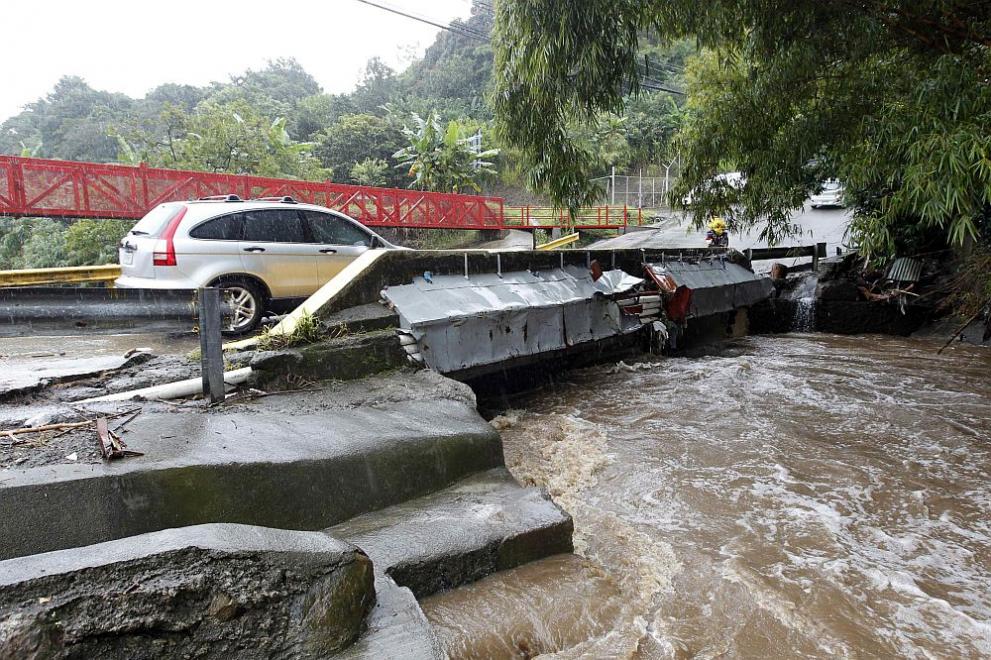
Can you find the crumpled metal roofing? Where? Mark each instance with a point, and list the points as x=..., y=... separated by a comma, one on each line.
x=717, y=285
x=461, y=322
x=905, y=269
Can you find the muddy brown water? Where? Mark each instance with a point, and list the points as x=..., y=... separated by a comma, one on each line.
x=790, y=496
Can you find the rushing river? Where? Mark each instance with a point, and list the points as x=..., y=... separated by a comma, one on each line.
x=789, y=496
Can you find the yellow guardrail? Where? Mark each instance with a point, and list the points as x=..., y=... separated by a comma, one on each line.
x=69, y=275
x=559, y=242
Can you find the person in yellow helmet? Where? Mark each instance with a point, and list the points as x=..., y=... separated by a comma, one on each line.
x=717, y=236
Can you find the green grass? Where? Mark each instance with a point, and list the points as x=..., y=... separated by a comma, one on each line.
x=307, y=331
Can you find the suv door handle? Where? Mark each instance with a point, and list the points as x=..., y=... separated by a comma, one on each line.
x=328, y=251
x=254, y=249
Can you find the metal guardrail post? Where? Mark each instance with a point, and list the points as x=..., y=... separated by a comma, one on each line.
x=818, y=251
x=211, y=345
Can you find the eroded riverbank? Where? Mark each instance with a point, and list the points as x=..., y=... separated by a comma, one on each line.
x=800, y=495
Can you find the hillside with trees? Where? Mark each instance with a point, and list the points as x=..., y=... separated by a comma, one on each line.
x=396, y=128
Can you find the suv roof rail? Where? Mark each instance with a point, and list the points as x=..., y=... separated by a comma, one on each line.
x=220, y=198
x=284, y=198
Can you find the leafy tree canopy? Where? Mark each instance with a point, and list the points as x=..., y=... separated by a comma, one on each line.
x=356, y=137
x=370, y=172
x=891, y=96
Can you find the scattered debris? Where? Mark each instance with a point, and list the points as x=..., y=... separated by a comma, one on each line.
x=47, y=427
x=307, y=331
x=959, y=330
x=131, y=415
x=110, y=444
x=507, y=420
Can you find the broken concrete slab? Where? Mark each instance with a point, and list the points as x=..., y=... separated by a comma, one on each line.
x=362, y=318
x=396, y=628
x=31, y=377
x=305, y=461
x=342, y=358
x=483, y=524
x=211, y=591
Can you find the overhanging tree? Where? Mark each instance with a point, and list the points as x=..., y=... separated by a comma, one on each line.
x=892, y=96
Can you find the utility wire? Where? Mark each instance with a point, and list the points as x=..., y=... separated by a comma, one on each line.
x=646, y=81
x=462, y=30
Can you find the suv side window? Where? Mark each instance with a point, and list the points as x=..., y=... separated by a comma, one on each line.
x=224, y=228
x=274, y=226
x=334, y=230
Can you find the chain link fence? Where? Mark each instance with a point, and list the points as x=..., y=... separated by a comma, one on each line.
x=636, y=190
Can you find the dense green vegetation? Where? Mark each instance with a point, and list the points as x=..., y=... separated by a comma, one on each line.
x=890, y=96
x=400, y=129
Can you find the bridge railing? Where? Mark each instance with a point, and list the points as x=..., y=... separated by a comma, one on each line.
x=598, y=217
x=60, y=188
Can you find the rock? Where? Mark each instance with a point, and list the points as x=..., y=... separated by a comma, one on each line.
x=276, y=361
x=348, y=357
x=207, y=591
x=840, y=289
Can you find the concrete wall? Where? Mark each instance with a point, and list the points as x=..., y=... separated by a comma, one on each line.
x=295, y=470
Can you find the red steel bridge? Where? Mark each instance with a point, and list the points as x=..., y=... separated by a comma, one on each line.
x=36, y=187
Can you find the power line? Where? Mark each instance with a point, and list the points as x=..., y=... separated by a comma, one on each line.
x=662, y=88
x=462, y=30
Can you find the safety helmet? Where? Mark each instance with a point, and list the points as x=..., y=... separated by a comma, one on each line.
x=717, y=225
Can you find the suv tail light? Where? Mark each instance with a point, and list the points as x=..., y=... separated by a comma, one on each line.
x=164, y=254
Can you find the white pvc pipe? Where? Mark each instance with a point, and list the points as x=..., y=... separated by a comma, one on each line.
x=177, y=390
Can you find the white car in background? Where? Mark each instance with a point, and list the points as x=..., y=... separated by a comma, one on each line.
x=831, y=194
x=265, y=254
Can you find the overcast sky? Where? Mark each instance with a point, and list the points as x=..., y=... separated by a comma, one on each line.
x=132, y=47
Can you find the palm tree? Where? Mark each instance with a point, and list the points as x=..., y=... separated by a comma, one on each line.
x=438, y=158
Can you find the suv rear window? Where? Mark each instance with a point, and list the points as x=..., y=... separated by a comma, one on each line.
x=224, y=228
x=333, y=230
x=155, y=220
x=274, y=226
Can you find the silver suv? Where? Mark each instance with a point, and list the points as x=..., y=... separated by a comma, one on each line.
x=266, y=254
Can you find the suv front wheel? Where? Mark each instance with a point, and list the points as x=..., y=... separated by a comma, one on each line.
x=247, y=305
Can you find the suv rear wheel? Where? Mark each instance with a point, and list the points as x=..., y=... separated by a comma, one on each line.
x=247, y=305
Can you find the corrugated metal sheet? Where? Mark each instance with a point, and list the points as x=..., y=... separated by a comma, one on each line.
x=717, y=285
x=905, y=269
x=461, y=322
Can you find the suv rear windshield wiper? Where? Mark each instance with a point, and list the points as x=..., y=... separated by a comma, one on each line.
x=137, y=232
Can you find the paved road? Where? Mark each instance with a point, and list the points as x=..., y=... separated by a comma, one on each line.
x=515, y=240
x=818, y=226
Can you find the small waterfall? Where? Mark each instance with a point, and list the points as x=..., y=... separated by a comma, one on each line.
x=805, y=304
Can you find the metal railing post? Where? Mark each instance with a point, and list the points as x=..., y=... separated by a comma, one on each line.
x=211, y=344
x=819, y=250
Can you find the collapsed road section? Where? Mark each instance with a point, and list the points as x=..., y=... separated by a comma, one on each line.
x=466, y=314
x=457, y=325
